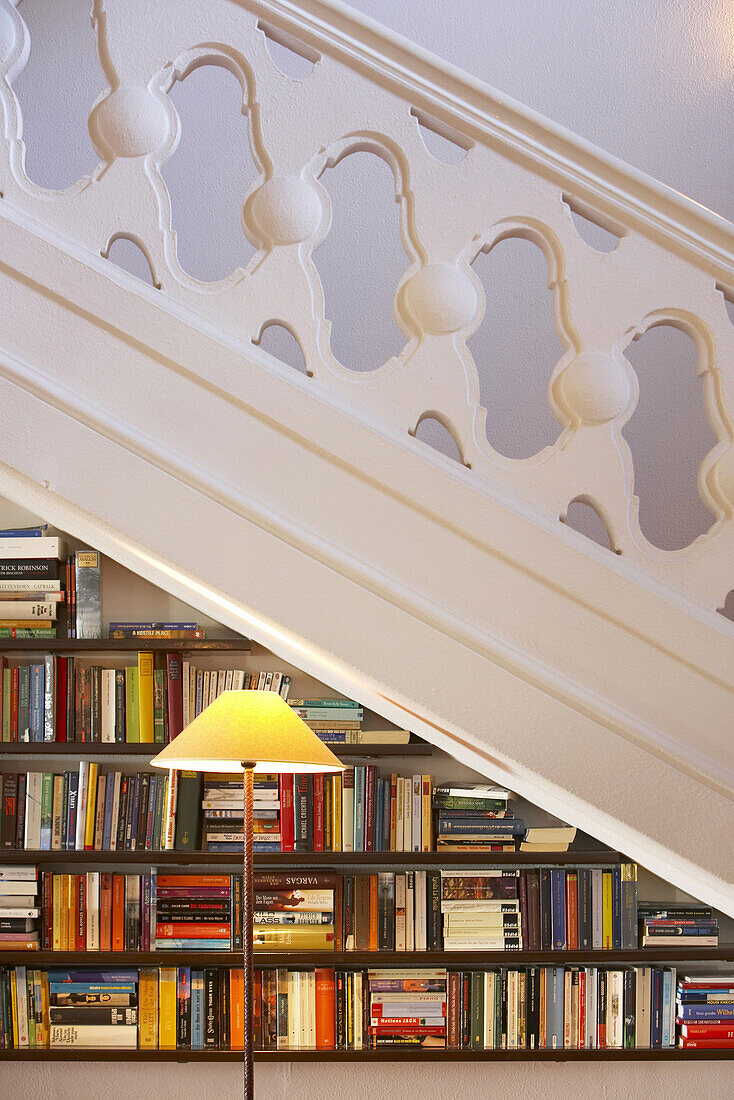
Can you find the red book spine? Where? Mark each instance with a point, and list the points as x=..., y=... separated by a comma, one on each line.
x=80, y=905
x=192, y=930
x=369, y=808
x=572, y=911
x=287, y=830
x=325, y=1009
x=165, y=881
x=105, y=911
x=452, y=1027
x=407, y=1029
x=175, y=694
x=582, y=1009
x=708, y=1031
x=707, y=1044
x=318, y=812
x=14, y=674
x=118, y=912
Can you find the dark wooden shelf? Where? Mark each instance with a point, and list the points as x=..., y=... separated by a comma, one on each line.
x=298, y=960
x=91, y=749
x=317, y=859
x=396, y=1054
x=122, y=645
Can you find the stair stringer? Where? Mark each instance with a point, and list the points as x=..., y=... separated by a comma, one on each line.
x=376, y=565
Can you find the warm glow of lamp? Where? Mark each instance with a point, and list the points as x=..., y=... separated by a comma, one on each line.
x=253, y=727
x=244, y=732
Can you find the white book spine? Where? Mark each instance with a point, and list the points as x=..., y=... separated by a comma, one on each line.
x=33, y=791
x=10, y=874
x=417, y=835
x=45, y=547
x=420, y=911
x=118, y=1036
x=358, y=1009
x=49, y=697
x=489, y=980
x=399, y=815
x=407, y=814
x=400, y=914
x=19, y=912
x=57, y=813
x=171, y=802
x=108, y=706
x=410, y=911
x=99, y=813
x=81, y=804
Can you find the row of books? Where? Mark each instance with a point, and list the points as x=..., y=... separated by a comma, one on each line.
x=415, y=910
x=534, y=1008
x=678, y=925
x=66, y=699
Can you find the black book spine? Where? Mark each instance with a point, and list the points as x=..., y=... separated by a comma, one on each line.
x=601, y=1008
x=70, y=700
x=120, y=730
x=133, y=792
x=224, y=1025
x=616, y=908
x=122, y=813
x=503, y=1003
x=236, y=912
x=656, y=1004
x=584, y=909
x=546, y=933
x=64, y=810
x=465, y=1013
x=531, y=938
x=142, y=815
x=95, y=722
x=532, y=994
x=29, y=568
x=211, y=1004
x=522, y=893
x=20, y=815
x=340, y=1007
x=348, y=907
x=630, y=987
x=188, y=811
x=433, y=915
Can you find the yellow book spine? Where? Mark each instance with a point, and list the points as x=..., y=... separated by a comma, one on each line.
x=606, y=911
x=14, y=1008
x=56, y=896
x=67, y=919
x=91, y=805
x=167, y=1008
x=145, y=697
x=148, y=1001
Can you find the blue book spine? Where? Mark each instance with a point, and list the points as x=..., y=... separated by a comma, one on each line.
x=379, y=800
x=133, y=815
x=558, y=909
x=667, y=1041
x=25, y=533
x=71, y=815
x=359, y=789
x=703, y=996
x=197, y=1009
x=616, y=908
x=150, y=816
x=153, y=906
x=36, y=709
x=706, y=1012
x=107, y=824
x=191, y=945
x=554, y=1008
x=656, y=1009
x=386, y=816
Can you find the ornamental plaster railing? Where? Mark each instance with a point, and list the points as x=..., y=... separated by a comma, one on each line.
x=520, y=176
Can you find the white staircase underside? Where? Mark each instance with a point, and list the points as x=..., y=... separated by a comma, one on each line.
x=268, y=501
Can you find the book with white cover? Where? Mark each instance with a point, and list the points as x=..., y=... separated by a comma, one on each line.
x=49, y=547
x=33, y=791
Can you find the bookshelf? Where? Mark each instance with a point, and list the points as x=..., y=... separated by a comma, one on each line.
x=239, y=649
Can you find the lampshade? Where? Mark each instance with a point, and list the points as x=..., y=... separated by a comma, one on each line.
x=257, y=727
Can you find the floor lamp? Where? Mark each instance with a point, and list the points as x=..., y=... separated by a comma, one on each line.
x=248, y=731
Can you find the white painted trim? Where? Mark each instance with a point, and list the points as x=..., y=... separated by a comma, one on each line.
x=606, y=182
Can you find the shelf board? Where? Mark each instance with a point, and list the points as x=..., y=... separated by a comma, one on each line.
x=315, y=859
x=451, y=960
x=122, y=645
x=396, y=1054
x=82, y=749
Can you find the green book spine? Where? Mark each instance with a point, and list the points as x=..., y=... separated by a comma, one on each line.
x=160, y=802
x=24, y=699
x=159, y=714
x=6, y=704
x=476, y=1034
x=132, y=706
x=47, y=798
x=188, y=811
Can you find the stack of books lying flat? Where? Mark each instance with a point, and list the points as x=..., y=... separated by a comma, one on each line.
x=669, y=925
x=30, y=588
x=407, y=1008
x=554, y=838
x=705, y=1012
x=475, y=818
x=222, y=805
x=19, y=909
x=481, y=910
x=294, y=912
x=92, y=1009
x=337, y=721
x=194, y=912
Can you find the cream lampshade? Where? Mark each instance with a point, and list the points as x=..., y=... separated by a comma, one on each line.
x=253, y=727
x=244, y=732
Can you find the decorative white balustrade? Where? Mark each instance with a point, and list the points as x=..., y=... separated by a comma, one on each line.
x=519, y=177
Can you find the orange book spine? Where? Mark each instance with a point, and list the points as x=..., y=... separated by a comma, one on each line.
x=325, y=1009
x=374, y=912
x=67, y=918
x=105, y=911
x=165, y=881
x=118, y=912
x=572, y=910
x=237, y=1007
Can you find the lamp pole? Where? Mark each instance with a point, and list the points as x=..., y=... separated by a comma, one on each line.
x=248, y=911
